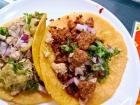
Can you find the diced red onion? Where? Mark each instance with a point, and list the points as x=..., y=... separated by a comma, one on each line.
x=81, y=27
x=72, y=80
x=25, y=38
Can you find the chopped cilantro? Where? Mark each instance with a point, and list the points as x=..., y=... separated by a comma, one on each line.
x=38, y=15
x=101, y=52
x=68, y=40
x=32, y=85
x=27, y=18
x=66, y=48
x=4, y=31
x=16, y=65
x=74, y=46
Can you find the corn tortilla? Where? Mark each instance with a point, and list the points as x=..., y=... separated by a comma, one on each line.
x=25, y=98
x=104, y=90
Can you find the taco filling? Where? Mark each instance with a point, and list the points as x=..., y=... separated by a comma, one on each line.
x=17, y=72
x=81, y=58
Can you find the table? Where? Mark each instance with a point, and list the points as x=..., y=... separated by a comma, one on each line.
x=126, y=10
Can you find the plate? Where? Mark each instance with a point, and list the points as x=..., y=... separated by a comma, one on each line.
x=127, y=91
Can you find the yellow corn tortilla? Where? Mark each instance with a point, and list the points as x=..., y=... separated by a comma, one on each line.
x=25, y=98
x=104, y=90
x=37, y=42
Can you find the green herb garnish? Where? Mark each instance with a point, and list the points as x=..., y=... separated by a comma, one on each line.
x=16, y=65
x=74, y=46
x=38, y=15
x=98, y=50
x=4, y=31
x=68, y=40
x=101, y=51
x=27, y=18
x=32, y=85
x=66, y=48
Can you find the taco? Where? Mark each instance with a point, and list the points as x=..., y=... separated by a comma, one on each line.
x=82, y=59
x=19, y=82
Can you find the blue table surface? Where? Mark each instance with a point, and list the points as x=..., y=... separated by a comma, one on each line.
x=126, y=10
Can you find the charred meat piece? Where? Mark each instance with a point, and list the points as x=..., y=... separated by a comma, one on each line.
x=63, y=31
x=79, y=57
x=61, y=59
x=90, y=22
x=85, y=39
x=53, y=30
x=86, y=88
x=64, y=77
x=73, y=90
x=79, y=19
x=71, y=24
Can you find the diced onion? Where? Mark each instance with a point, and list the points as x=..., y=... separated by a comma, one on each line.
x=4, y=50
x=79, y=70
x=25, y=38
x=49, y=38
x=81, y=27
x=93, y=80
x=94, y=59
x=72, y=80
x=42, y=89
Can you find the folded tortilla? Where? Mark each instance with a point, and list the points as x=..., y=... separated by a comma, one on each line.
x=28, y=98
x=104, y=90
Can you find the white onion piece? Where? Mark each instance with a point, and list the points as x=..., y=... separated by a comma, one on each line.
x=93, y=80
x=3, y=48
x=2, y=37
x=49, y=38
x=94, y=59
x=79, y=70
x=100, y=61
x=82, y=102
x=81, y=27
x=7, y=52
x=71, y=54
x=110, y=50
x=72, y=80
x=42, y=89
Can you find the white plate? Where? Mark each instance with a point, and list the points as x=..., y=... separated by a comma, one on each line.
x=127, y=92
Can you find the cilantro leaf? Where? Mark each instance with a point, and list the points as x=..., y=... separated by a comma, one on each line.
x=4, y=31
